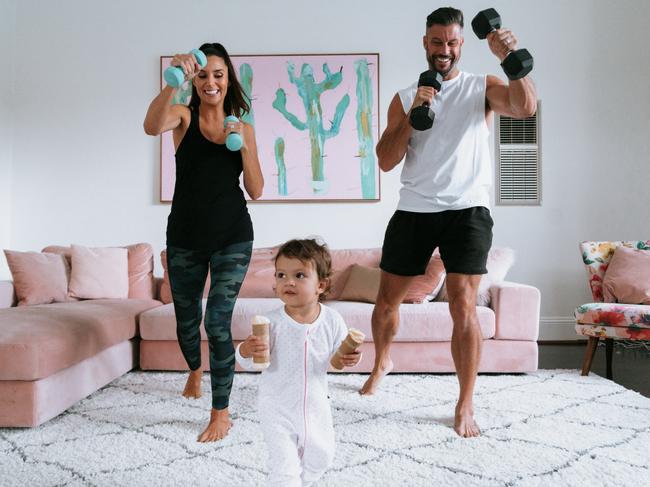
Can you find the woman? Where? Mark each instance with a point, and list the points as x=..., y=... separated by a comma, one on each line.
x=209, y=226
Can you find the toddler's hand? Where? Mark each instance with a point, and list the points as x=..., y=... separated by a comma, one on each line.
x=351, y=359
x=253, y=346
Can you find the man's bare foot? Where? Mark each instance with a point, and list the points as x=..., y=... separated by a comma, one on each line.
x=375, y=378
x=193, y=385
x=464, y=423
x=218, y=427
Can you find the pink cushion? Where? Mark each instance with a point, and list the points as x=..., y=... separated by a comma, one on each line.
x=362, y=284
x=627, y=279
x=423, y=286
x=141, y=281
x=597, y=256
x=260, y=277
x=39, y=278
x=140, y=257
x=342, y=261
x=99, y=273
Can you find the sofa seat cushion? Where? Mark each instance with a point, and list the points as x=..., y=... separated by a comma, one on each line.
x=427, y=322
x=424, y=322
x=160, y=323
x=37, y=341
x=614, y=315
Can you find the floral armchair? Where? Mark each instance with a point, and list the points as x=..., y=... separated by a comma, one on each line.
x=608, y=320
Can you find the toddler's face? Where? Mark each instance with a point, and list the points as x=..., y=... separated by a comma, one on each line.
x=296, y=282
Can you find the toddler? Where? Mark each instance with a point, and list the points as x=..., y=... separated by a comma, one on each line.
x=294, y=409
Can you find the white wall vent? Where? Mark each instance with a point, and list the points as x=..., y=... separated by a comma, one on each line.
x=518, y=160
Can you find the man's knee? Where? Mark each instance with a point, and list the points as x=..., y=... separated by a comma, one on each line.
x=386, y=314
x=463, y=311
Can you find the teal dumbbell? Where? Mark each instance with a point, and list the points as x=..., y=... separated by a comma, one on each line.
x=174, y=76
x=234, y=140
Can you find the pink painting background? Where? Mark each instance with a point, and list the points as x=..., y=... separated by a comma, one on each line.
x=342, y=167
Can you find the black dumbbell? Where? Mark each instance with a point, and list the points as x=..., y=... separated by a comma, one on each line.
x=422, y=117
x=517, y=64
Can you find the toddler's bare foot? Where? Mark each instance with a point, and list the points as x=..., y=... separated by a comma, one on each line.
x=375, y=378
x=464, y=423
x=193, y=385
x=218, y=427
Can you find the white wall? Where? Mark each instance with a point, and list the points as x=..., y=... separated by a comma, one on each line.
x=7, y=35
x=85, y=172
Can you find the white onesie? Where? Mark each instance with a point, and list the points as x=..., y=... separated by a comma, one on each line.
x=294, y=409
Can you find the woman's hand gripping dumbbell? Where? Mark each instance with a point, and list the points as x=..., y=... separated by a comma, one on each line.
x=234, y=139
x=184, y=66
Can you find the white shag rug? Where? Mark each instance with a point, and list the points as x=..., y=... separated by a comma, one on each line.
x=550, y=428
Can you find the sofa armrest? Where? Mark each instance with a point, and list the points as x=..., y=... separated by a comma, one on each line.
x=516, y=307
x=7, y=294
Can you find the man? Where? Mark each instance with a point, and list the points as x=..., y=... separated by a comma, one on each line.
x=444, y=200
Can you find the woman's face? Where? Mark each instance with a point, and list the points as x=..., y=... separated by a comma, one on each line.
x=211, y=82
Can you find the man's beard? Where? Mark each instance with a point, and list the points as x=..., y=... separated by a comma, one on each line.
x=432, y=65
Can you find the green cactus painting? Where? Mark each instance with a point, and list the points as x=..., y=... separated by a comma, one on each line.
x=282, y=168
x=310, y=92
x=316, y=124
x=183, y=94
x=364, y=129
x=246, y=80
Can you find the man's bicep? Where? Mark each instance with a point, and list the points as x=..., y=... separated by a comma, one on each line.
x=396, y=112
x=498, y=98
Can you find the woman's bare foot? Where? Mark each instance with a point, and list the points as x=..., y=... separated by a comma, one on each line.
x=375, y=378
x=193, y=385
x=464, y=423
x=218, y=427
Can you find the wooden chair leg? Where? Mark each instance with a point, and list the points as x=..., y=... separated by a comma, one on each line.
x=589, y=355
x=609, y=349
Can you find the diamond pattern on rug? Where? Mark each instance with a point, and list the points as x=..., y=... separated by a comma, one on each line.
x=552, y=427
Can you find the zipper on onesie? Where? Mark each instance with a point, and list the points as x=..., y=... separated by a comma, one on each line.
x=304, y=395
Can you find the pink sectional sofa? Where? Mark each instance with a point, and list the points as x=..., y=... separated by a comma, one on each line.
x=509, y=325
x=53, y=355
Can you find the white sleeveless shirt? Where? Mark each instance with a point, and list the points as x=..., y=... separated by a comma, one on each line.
x=449, y=167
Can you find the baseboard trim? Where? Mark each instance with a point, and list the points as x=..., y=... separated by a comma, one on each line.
x=558, y=329
x=572, y=343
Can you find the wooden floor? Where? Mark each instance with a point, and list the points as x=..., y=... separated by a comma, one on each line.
x=631, y=367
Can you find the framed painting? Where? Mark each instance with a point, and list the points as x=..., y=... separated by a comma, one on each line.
x=316, y=119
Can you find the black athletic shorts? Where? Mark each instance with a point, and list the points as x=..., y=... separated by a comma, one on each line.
x=463, y=236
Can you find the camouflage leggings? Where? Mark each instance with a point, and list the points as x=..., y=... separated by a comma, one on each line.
x=188, y=270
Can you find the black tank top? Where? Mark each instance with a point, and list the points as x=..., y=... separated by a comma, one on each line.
x=208, y=209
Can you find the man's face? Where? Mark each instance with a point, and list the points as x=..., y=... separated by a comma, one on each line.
x=442, y=46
